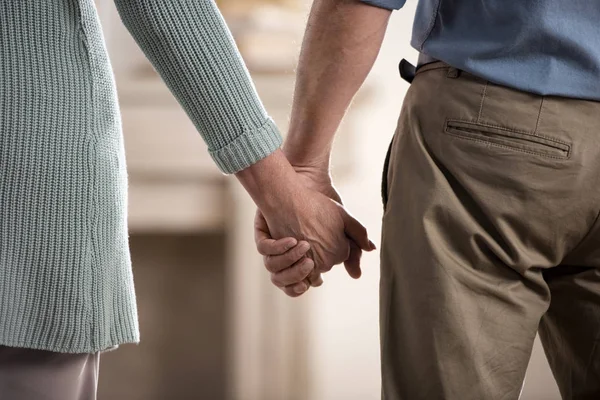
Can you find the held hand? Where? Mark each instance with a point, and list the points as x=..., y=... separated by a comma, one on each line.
x=344, y=236
x=286, y=260
x=317, y=177
x=323, y=223
x=295, y=207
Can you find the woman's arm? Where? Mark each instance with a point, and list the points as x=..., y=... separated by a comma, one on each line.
x=190, y=46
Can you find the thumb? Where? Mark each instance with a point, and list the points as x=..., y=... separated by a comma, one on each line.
x=356, y=231
x=352, y=264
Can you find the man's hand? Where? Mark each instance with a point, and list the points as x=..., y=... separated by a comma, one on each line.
x=333, y=234
x=291, y=268
x=317, y=179
x=293, y=210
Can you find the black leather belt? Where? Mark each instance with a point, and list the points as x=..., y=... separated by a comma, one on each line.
x=408, y=71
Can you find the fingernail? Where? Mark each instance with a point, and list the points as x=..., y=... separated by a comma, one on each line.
x=291, y=243
x=300, y=289
x=373, y=247
x=304, y=246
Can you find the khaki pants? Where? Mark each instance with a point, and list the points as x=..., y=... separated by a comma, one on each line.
x=490, y=234
x=42, y=375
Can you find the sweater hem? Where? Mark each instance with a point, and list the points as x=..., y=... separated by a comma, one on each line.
x=69, y=349
x=248, y=148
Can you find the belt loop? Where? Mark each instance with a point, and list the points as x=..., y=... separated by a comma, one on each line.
x=453, y=72
x=407, y=71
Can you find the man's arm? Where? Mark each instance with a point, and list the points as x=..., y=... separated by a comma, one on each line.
x=342, y=41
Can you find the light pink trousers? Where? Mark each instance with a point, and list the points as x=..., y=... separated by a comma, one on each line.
x=27, y=374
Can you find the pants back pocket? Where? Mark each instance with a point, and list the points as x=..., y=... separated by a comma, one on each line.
x=508, y=138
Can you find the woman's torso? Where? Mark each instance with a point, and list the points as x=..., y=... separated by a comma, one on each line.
x=65, y=278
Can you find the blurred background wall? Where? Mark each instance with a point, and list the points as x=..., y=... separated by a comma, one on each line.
x=212, y=326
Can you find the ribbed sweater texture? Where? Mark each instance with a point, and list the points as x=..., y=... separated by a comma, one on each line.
x=66, y=283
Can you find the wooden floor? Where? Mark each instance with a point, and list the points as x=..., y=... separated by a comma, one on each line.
x=180, y=287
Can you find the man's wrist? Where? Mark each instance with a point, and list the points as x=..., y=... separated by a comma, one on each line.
x=308, y=146
x=302, y=157
x=310, y=135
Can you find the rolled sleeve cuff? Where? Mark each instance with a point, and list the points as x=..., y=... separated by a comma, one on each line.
x=248, y=148
x=387, y=4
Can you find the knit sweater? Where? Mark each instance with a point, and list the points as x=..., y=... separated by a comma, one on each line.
x=66, y=282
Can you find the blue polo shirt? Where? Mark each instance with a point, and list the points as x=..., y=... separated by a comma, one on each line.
x=548, y=47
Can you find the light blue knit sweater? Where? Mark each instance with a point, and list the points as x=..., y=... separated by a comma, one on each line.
x=65, y=272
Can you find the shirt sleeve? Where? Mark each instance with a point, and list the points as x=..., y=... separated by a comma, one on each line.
x=388, y=4
x=190, y=46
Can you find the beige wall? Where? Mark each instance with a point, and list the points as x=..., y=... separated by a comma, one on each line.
x=345, y=349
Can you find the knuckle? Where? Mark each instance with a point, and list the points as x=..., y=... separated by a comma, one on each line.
x=316, y=281
x=326, y=268
x=290, y=292
x=276, y=281
x=261, y=249
x=270, y=264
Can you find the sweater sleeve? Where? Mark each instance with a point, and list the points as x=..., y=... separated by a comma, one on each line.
x=190, y=46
